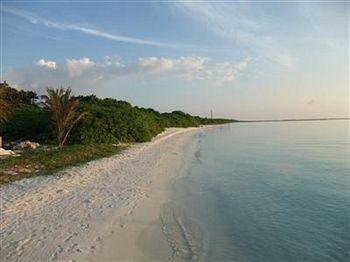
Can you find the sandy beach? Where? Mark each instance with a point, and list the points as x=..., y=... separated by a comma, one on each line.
x=105, y=210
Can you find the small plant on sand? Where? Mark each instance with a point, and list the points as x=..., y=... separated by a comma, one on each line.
x=64, y=112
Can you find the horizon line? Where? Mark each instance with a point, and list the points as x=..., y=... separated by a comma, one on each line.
x=295, y=119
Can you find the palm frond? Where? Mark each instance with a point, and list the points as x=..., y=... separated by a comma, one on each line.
x=64, y=111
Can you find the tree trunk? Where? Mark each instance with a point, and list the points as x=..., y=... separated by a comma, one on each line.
x=0, y=141
x=63, y=139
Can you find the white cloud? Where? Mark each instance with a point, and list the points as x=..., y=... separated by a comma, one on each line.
x=84, y=72
x=77, y=66
x=48, y=64
x=156, y=64
x=191, y=68
x=112, y=61
x=166, y=64
x=244, y=63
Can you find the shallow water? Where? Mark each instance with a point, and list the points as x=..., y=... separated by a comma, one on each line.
x=263, y=192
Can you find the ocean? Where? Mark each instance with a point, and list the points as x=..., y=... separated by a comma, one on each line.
x=276, y=191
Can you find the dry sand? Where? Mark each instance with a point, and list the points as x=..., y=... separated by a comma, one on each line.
x=105, y=210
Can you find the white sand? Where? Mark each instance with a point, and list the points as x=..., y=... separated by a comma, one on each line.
x=107, y=209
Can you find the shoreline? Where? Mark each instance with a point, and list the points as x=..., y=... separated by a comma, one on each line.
x=88, y=212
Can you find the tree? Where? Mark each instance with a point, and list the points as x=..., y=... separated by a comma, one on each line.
x=64, y=112
x=14, y=96
x=4, y=109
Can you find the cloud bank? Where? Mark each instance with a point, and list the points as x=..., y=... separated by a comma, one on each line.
x=84, y=72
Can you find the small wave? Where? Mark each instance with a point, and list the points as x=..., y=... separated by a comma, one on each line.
x=184, y=241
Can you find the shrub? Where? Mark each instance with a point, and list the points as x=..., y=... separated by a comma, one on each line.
x=26, y=121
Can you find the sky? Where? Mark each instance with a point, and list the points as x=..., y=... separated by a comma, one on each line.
x=244, y=60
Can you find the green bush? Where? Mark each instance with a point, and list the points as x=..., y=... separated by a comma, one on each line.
x=110, y=121
x=27, y=121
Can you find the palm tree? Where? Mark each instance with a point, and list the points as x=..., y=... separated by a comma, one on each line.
x=64, y=112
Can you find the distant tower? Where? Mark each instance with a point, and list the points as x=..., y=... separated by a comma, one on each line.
x=211, y=114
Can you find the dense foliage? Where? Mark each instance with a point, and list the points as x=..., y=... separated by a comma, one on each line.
x=107, y=120
x=110, y=121
x=14, y=96
x=27, y=121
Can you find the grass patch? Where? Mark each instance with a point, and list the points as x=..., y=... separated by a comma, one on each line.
x=50, y=160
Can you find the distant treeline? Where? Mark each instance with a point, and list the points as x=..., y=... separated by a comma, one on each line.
x=107, y=120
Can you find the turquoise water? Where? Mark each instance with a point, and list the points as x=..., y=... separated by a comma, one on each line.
x=264, y=192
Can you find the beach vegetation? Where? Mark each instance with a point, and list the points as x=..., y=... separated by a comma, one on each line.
x=84, y=127
x=28, y=122
x=49, y=159
x=13, y=96
x=64, y=113
x=86, y=119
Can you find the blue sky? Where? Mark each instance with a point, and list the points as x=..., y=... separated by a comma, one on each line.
x=247, y=60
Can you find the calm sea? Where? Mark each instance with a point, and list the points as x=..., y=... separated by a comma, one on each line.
x=263, y=192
